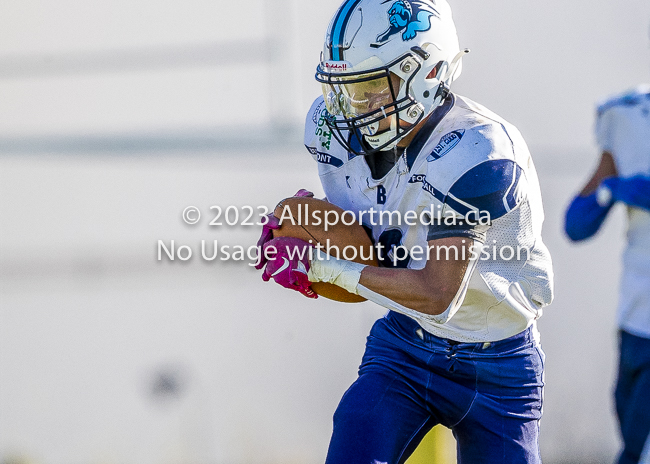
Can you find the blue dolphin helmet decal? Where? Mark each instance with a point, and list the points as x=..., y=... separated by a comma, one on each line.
x=408, y=17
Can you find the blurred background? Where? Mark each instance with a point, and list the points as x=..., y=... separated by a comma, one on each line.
x=116, y=115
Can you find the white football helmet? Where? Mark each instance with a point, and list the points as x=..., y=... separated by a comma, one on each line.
x=385, y=66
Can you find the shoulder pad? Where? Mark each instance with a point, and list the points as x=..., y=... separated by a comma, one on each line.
x=495, y=186
x=459, y=150
x=318, y=137
x=313, y=116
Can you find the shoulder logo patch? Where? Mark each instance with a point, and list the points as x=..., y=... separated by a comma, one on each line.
x=447, y=143
x=325, y=158
x=408, y=17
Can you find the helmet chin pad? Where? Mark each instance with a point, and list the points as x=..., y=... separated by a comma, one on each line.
x=370, y=130
x=377, y=140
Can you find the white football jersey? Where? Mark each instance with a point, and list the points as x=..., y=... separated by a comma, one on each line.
x=623, y=129
x=465, y=161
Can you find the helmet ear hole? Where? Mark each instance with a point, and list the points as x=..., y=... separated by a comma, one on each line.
x=434, y=72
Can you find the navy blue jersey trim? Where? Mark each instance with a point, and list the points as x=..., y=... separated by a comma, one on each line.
x=414, y=148
x=441, y=232
x=511, y=198
x=457, y=206
x=491, y=186
x=325, y=158
x=355, y=143
x=427, y=187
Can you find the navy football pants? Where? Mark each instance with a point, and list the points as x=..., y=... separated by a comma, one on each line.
x=490, y=395
x=633, y=396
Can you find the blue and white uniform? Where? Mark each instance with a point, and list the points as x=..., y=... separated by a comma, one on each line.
x=623, y=130
x=465, y=158
x=478, y=367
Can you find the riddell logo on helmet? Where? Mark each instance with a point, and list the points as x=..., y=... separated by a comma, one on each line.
x=336, y=66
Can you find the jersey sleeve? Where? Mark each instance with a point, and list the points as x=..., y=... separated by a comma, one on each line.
x=318, y=138
x=608, y=116
x=311, y=122
x=485, y=183
x=605, y=125
x=486, y=192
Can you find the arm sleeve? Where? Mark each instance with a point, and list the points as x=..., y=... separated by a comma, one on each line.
x=486, y=192
x=584, y=217
x=633, y=191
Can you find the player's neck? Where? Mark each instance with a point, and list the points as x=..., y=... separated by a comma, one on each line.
x=406, y=141
x=382, y=162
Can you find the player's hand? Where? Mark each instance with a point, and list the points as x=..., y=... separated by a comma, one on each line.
x=633, y=191
x=273, y=223
x=304, y=193
x=290, y=265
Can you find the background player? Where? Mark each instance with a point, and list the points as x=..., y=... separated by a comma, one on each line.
x=623, y=175
x=459, y=346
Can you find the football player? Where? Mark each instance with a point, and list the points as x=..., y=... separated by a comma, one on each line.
x=459, y=344
x=623, y=176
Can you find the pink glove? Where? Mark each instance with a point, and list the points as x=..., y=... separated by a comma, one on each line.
x=304, y=193
x=272, y=224
x=290, y=265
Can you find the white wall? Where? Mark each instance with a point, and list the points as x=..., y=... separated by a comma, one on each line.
x=99, y=67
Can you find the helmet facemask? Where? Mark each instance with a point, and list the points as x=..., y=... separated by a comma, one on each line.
x=373, y=109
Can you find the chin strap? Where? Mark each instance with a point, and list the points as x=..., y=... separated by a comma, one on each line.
x=453, y=67
x=455, y=63
x=445, y=82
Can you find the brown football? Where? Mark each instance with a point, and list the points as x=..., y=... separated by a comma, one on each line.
x=345, y=235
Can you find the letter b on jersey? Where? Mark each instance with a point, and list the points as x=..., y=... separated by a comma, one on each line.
x=381, y=195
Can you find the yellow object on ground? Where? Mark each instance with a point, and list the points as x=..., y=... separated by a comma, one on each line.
x=437, y=447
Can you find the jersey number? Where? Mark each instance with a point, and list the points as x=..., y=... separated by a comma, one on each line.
x=381, y=195
x=391, y=256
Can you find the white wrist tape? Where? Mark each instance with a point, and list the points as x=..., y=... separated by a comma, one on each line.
x=326, y=268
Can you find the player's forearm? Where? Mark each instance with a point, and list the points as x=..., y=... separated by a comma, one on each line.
x=428, y=291
x=410, y=288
